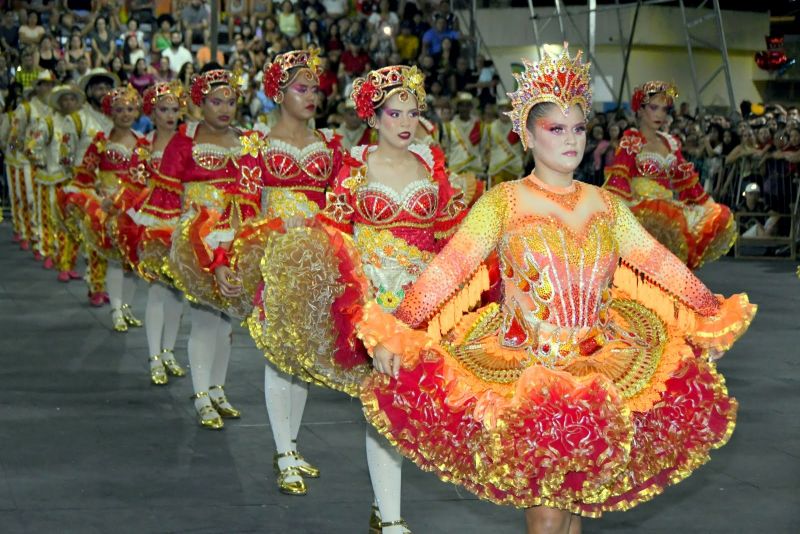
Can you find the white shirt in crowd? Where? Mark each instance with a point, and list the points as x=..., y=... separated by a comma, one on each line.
x=177, y=58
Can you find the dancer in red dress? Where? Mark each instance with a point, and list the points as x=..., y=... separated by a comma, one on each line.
x=109, y=182
x=216, y=170
x=389, y=211
x=662, y=189
x=150, y=234
x=299, y=165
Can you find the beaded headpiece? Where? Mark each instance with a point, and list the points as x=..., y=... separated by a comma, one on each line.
x=277, y=73
x=126, y=93
x=203, y=84
x=160, y=90
x=563, y=81
x=371, y=91
x=646, y=91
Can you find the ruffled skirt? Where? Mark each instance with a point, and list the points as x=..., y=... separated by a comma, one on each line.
x=189, y=254
x=304, y=314
x=99, y=229
x=638, y=410
x=695, y=233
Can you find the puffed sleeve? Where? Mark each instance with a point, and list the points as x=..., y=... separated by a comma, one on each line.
x=623, y=169
x=339, y=200
x=452, y=207
x=686, y=180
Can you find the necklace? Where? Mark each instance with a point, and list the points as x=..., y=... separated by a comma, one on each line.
x=566, y=197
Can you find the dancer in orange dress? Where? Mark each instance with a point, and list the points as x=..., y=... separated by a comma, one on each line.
x=108, y=182
x=217, y=172
x=591, y=386
x=390, y=210
x=149, y=233
x=662, y=189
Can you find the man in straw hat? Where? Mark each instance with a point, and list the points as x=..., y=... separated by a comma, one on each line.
x=25, y=114
x=466, y=138
x=53, y=141
x=96, y=84
x=505, y=153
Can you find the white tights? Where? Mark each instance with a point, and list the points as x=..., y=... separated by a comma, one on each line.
x=121, y=286
x=385, y=470
x=285, y=397
x=162, y=317
x=209, y=347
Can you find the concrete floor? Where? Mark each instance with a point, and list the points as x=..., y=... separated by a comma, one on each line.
x=87, y=445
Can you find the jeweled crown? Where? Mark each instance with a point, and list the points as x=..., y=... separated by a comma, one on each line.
x=371, y=91
x=160, y=90
x=560, y=80
x=203, y=84
x=643, y=93
x=277, y=72
x=125, y=93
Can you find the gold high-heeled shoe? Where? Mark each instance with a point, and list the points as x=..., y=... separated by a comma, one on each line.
x=222, y=405
x=118, y=321
x=127, y=313
x=375, y=521
x=306, y=468
x=398, y=523
x=297, y=487
x=171, y=364
x=207, y=415
x=158, y=375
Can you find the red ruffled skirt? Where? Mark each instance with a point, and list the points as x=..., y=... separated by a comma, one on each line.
x=603, y=430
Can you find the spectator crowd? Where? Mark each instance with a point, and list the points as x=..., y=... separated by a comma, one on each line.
x=747, y=164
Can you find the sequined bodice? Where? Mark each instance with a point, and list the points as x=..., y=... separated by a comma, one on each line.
x=654, y=165
x=116, y=156
x=552, y=274
x=287, y=163
x=213, y=157
x=380, y=204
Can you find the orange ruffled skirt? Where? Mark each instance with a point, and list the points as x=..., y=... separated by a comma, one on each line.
x=638, y=410
x=695, y=233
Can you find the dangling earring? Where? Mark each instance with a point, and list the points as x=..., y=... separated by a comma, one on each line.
x=279, y=98
x=372, y=122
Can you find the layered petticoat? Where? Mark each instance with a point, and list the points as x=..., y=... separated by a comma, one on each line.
x=627, y=410
x=100, y=229
x=191, y=253
x=303, y=318
x=695, y=233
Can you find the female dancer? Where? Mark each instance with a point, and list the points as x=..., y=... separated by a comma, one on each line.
x=662, y=189
x=106, y=184
x=397, y=203
x=571, y=396
x=216, y=174
x=299, y=164
x=150, y=237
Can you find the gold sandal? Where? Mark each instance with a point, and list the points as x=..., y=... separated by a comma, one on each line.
x=207, y=415
x=127, y=314
x=222, y=405
x=158, y=375
x=297, y=487
x=171, y=364
x=118, y=321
